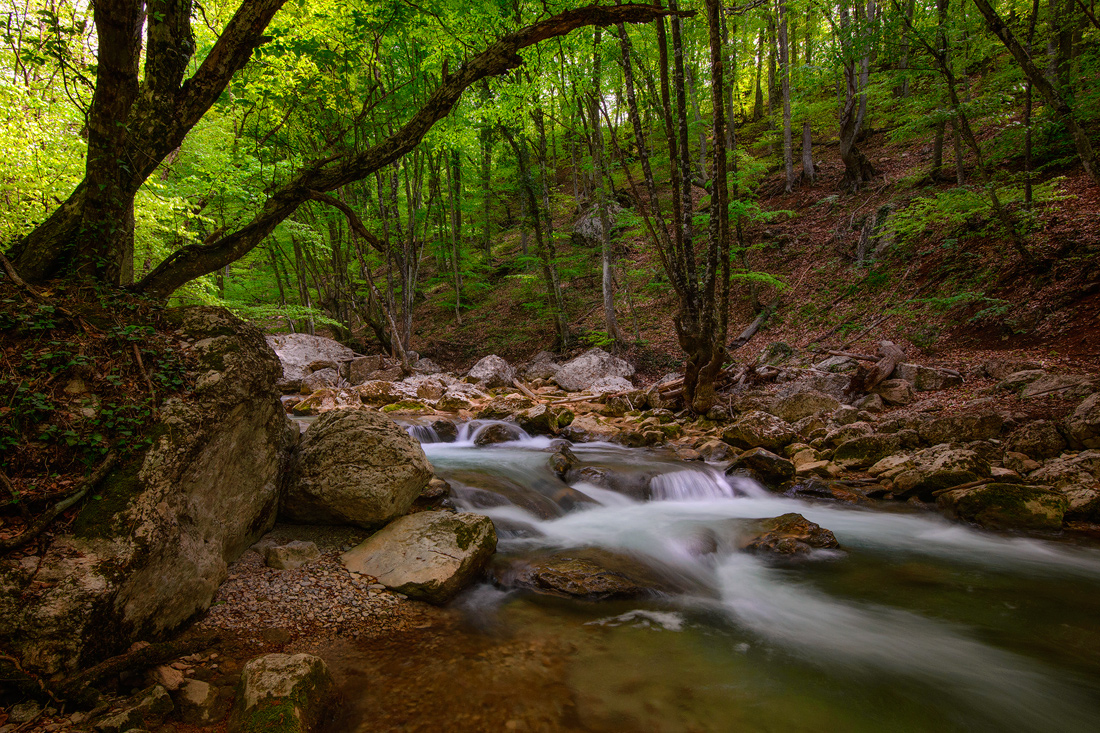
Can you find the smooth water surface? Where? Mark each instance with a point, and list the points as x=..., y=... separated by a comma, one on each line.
x=919, y=624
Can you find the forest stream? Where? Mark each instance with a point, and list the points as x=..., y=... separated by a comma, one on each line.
x=916, y=624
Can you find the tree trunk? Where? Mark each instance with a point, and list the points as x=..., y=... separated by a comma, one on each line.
x=611, y=323
x=785, y=83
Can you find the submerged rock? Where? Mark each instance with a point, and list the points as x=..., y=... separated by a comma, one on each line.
x=355, y=467
x=1006, y=506
x=283, y=692
x=589, y=574
x=430, y=556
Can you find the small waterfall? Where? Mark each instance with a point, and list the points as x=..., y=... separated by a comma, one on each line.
x=468, y=432
x=424, y=433
x=701, y=485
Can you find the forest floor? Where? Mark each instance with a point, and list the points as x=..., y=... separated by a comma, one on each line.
x=952, y=295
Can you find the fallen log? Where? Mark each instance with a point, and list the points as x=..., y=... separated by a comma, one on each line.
x=519, y=385
x=865, y=380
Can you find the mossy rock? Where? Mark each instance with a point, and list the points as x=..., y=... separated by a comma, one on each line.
x=283, y=693
x=1007, y=506
x=406, y=406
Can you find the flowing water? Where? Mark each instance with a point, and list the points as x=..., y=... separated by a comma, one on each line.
x=918, y=624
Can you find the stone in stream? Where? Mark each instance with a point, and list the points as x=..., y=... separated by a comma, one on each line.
x=787, y=535
x=496, y=433
x=284, y=693
x=429, y=556
x=939, y=467
x=1006, y=506
x=763, y=466
x=584, y=371
x=591, y=574
x=355, y=467
x=544, y=419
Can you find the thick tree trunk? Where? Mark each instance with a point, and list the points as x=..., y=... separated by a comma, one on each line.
x=159, y=119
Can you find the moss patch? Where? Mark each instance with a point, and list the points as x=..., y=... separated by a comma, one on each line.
x=406, y=406
x=108, y=500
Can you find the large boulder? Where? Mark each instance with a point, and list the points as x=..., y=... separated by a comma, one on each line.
x=865, y=450
x=999, y=369
x=803, y=404
x=545, y=419
x=582, y=372
x=895, y=391
x=360, y=369
x=758, y=429
x=932, y=469
x=379, y=393
x=430, y=556
x=326, y=378
x=1037, y=439
x=296, y=351
x=1083, y=425
x=1006, y=506
x=355, y=467
x=1018, y=381
x=961, y=428
x=1060, y=385
x=153, y=548
x=543, y=366
x=492, y=371
x=283, y=692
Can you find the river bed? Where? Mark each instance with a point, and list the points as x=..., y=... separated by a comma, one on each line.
x=917, y=624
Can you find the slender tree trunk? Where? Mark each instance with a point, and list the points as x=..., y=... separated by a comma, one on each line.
x=602, y=177
x=785, y=83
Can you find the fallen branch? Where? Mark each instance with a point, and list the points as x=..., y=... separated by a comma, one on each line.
x=521, y=388
x=850, y=355
x=77, y=688
x=51, y=514
x=141, y=366
x=753, y=327
x=967, y=485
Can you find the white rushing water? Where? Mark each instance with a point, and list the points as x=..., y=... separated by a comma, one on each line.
x=778, y=606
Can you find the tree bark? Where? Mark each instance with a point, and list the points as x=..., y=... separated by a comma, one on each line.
x=785, y=85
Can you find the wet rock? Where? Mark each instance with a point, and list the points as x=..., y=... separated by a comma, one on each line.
x=590, y=574
x=446, y=430
x=291, y=555
x=865, y=450
x=1006, y=506
x=492, y=371
x=895, y=391
x=452, y=402
x=1037, y=439
x=764, y=466
x=715, y=451
x=544, y=419
x=803, y=404
x=496, y=433
x=436, y=489
x=296, y=351
x=562, y=460
x=355, y=467
x=584, y=371
x=786, y=536
x=758, y=429
x=1083, y=426
x=1084, y=502
x=429, y=556
x=283, y=692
